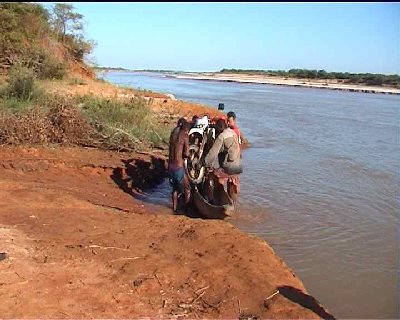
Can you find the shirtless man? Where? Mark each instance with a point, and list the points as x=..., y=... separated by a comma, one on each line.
x=178, y=150
x=175, y=131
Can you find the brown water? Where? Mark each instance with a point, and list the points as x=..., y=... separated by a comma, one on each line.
x=321, y=184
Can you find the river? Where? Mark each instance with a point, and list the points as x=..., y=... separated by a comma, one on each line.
x=320, y=183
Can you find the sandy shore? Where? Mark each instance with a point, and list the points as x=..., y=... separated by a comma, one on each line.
x=307, y=83
x=78, y=243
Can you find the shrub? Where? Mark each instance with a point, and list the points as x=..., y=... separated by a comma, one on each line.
x=104, y=123
x=124, y=124
x=77, y=81
x=52, y=119
x=51, y=69
x=21, y=82
x=12, y=105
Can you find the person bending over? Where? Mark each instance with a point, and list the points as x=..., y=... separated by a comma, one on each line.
x=225, y=159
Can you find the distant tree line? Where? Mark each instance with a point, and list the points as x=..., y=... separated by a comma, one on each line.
x=345, y=77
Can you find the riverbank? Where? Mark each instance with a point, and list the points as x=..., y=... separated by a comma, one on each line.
x=166, y=107
x=77, y=241
x=79, y=244
x=306, y=83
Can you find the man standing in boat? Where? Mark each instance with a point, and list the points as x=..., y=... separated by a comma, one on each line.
x=178, y=150
x=226, y=149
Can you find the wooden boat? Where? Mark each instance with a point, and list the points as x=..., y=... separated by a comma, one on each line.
x=224, y=209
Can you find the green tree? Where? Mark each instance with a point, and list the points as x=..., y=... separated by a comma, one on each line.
x=65, y=20
x=22, y=25
x=67, y=25
x=322, y=74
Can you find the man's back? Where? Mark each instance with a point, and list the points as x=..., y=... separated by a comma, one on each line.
x=227, y=147
x=179, y=148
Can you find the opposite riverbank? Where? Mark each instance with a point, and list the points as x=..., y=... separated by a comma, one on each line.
x=261, y=79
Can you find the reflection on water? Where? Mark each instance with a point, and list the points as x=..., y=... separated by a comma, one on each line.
x=321, y=184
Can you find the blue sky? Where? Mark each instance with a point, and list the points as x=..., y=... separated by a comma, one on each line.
x=354, y=37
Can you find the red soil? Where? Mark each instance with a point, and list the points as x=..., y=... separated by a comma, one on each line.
x=77, y=245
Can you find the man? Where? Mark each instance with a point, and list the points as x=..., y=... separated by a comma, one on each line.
x=231, y=120
x=175, y=131
x=226, y=149
x=174, y=134
x=178, y=150
x=194, y=119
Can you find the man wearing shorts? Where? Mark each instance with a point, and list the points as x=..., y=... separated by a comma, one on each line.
x=178, y=150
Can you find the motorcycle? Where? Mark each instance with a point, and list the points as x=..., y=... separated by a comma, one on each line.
x=201, y=139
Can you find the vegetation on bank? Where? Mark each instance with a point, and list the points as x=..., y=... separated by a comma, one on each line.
x=38, y=44
x=45, y=41
x=30, y=115
x=344, y=77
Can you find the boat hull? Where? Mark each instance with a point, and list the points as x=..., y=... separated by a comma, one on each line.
x=207, y=210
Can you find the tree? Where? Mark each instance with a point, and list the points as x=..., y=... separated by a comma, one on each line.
x=21, y=25
x=66, y=20
x=322, y=74
x=68, y=27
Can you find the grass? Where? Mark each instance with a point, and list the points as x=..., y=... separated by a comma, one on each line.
x=77, y=81
x=108, y=123
x=125, y=123
x=15, y=103
x=112, y=123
